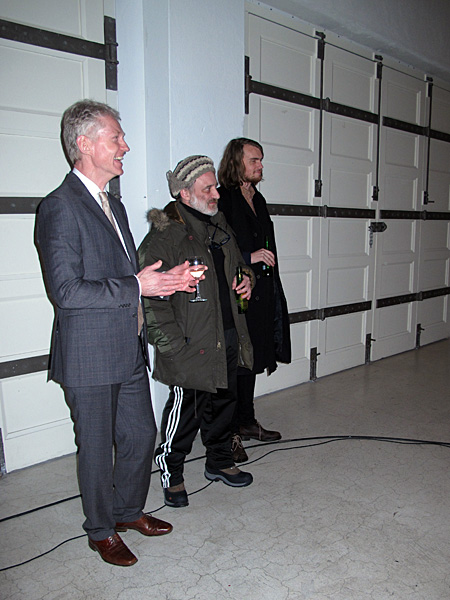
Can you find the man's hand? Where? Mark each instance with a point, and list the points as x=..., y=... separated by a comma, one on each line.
x=263, y=255
x=244, y=288
x=156, y=283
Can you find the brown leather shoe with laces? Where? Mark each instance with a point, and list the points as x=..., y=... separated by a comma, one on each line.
x=147, y=525
x=257, y=432
x=237, y=449
x=114, y=551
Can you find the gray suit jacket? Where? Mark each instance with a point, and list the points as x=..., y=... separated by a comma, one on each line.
x=92, y=285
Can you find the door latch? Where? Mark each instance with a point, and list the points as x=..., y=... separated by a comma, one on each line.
x=376, y=227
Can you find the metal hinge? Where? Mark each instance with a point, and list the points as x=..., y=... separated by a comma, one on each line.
x=419, y=330
x=317, y=188
x=375, y=193
x=369, y=340
x=320, y=45
x=426, y=198
x=379, y=60
x=313, y=364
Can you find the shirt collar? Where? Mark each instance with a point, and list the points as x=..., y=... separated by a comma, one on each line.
x=92, y=187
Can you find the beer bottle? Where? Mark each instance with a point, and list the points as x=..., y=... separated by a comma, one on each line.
x=242, y=303
x=266, y=269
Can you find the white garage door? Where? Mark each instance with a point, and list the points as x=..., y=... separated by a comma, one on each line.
x=357, y=180
x=53, y=53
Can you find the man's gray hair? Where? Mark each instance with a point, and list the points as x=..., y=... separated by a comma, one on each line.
x=83, y=118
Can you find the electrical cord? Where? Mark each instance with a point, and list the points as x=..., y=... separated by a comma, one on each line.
x=319, y=441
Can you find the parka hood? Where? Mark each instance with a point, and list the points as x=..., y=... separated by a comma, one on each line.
x=160, y=219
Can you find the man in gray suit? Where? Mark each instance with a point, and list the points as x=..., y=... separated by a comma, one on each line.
x=99, y=347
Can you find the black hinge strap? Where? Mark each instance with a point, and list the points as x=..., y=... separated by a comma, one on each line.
x=376, y=187
x=321, y=56
x=34, y=36
x=426, y=198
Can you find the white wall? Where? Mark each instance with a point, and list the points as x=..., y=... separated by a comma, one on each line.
x=181, y=72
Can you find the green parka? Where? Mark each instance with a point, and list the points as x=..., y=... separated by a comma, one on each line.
x=188, y=337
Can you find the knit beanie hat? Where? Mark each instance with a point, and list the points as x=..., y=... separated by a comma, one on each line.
x=187, y=171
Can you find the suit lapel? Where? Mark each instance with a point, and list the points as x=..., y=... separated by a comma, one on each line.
x=80, y=190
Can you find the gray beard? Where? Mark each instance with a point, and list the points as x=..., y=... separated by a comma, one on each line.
x=196, y=205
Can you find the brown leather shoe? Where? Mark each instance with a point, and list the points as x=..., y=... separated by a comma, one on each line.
x=147, y=525
x=114, y=551
x=257, y=432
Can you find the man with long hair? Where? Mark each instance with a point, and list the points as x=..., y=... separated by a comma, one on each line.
x=245, y=208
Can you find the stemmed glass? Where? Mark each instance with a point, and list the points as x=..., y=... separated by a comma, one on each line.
x=197, y=267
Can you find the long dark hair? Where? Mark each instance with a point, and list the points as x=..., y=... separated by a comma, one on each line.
x=231, y=167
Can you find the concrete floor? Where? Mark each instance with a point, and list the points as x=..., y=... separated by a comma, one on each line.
x=361, y=519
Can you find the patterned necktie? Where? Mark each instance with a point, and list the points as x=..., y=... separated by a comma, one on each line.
x=107, y=210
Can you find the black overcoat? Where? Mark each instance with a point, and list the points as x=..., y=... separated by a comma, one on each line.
x=267, y=314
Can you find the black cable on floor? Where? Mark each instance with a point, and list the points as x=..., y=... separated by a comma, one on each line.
x=77, y=537
x=322, y=440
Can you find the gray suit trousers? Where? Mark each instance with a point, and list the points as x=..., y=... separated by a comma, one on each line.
x=115, y=433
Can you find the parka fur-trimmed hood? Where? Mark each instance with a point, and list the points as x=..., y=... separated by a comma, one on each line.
x=160, y=219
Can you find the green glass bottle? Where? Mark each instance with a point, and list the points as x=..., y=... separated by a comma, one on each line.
x=266, y=269
x=242, y=303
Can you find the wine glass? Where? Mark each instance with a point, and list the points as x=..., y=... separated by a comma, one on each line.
x=196, y=269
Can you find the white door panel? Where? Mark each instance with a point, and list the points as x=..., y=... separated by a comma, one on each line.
x=396, y=275
x=38, y=84
x=282, y=56
x=342, y=343
x=349, y=75
x=434, y=318
x=36, y=421
x=434, y=271
x=29, y=127
x=287, y=136
x=401, y=189
x=433, y=313
x=346, y=278
x=401, y=172
x=439, y=178
x=403, y=97
x=80, y=18
x=298, y=371
x=347, y=262
x=441, y=109
x=392, y=325
x=296, y=237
